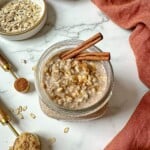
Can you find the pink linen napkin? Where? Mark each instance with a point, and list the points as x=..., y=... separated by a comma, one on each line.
x=136, y=134
x=135, y=15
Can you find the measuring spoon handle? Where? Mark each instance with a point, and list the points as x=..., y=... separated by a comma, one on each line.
x=4, y=118
x=4, y=63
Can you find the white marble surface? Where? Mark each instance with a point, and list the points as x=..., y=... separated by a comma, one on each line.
x=72, y=19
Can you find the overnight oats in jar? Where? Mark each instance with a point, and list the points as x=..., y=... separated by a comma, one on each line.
x=73, y=89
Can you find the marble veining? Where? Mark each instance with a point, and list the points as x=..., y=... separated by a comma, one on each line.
x=74, y=31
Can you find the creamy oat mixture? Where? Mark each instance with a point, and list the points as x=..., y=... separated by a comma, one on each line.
x=19, y=15
x=74, y=84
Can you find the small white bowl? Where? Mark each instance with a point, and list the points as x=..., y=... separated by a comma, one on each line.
x=31, y=31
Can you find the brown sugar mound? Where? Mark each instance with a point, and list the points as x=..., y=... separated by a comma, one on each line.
x=27, y=141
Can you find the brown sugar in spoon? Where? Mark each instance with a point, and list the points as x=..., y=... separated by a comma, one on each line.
x=20, y=84
x=24, y=141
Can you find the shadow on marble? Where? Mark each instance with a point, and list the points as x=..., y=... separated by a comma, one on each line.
x=45, y=143
x=8, y=111
x=50, y=23
x=124, y=98
x=9, y=61
x=32, y=87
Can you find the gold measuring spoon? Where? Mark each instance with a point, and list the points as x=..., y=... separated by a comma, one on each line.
x=31, y=140
x=20, y=84
x=5, y=120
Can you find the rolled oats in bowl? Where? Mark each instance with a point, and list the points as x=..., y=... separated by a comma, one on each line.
x=71, y=89
x=21, y=19
x=19, y=15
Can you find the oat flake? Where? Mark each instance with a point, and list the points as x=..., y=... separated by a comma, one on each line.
x=66, y=130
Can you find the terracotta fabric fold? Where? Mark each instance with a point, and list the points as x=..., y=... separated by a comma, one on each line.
x=136, y=134
x=133, y=14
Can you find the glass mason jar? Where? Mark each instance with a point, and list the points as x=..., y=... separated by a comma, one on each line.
x=54, y=110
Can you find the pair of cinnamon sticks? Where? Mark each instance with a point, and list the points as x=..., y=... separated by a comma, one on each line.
x=76, y=52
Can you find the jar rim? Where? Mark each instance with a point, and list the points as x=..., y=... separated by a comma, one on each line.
x=56, y=107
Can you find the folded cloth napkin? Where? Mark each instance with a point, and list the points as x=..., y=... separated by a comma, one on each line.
x=136, y=134
x=135, y=15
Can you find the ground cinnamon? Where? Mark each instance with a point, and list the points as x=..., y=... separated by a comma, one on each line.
x=21, y=85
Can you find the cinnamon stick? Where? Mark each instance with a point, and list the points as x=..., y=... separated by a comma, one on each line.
x=107, y=54
x=98, y=58
x=83, y=46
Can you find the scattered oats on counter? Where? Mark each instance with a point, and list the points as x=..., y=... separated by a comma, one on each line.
x=52, y=140
x=20, y=116
x=19, y=112
x=24, y=108
x=19, y=15
x=20, y=109
x=66, y=130
x=33, y=116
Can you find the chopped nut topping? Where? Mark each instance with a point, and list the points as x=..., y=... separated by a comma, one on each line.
x=71, y=83
x=19, y=15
